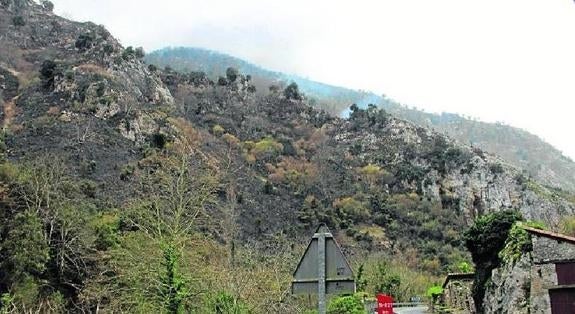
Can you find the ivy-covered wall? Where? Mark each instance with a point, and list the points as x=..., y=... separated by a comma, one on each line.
x=521, y=283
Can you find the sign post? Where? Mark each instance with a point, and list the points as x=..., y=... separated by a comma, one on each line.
x=323, y=269
x=321, y=273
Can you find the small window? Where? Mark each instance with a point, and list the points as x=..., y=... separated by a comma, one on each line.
x=565, y=274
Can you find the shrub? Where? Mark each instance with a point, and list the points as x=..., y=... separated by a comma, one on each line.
x=488, y=235
x=568, y=225
x=107, y=227
x=292, y=92
x=232, y=74
x=387, y=282
x=47, y=5
x=374, y=174
x=410, y=173
x=432, y=265
x=370, y=170
x=518, y=242
x=159, y=140
x=297, y=173
x=267, y=147
x=27, y=247
x=218, y=130
x=250, y=158
x=434, y=293
x=84, y=42
x=198, y=78
x=222, y=81
x=350, y=207
x=464, y=267
x=274, y=89
x=139, y=53
x=127, y=172
x=18, y=21
x=48, y=71
x=496, y=168
x=230, y=139
x=268, y=187
x=351, y=304
x=225, y=303
x=6, y=302
x=127, y=53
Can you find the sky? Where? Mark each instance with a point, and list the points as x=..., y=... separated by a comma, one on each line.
x=510, y=61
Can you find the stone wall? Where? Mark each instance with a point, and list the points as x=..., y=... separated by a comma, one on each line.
x=542, y=277
x=546, y=250
x=457, y=295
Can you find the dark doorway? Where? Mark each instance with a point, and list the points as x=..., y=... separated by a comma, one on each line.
x=562, y=301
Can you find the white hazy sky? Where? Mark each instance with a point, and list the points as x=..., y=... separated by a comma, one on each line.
x=497, y=60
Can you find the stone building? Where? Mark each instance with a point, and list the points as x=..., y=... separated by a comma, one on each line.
x=541, y=281
x=552, y=272
x=457, y=292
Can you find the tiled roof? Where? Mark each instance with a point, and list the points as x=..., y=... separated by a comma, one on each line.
x=549, y=234
x=456, y=276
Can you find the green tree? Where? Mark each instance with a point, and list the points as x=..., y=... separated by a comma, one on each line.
x=139, y=53
x=292, y=92
x=387, y=282
x=48, y=72
x=25, y=250
x=173, y=286
x=44, y=252
x=485, y=239
x=232, y=74
x=174, y=196
x=151, y=261
x=360, y=279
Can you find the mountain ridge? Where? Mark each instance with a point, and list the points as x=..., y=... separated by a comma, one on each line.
x=521, y=148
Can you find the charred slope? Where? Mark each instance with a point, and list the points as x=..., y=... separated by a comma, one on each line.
x=519, y=147
x=285, y=165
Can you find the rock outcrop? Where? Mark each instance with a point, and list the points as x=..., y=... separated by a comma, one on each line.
x=508, y=291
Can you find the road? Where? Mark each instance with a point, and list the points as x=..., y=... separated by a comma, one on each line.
x=411, y=310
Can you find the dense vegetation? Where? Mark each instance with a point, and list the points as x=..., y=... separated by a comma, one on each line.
x=62, y=249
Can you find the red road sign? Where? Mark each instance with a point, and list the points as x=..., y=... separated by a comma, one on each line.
x=384, y=304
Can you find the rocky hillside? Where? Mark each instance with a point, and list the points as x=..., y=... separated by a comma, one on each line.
x=104, y=157
x=329, y=98
x=520, y=148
